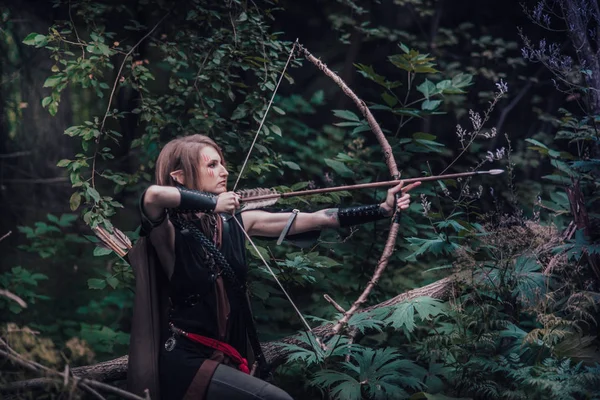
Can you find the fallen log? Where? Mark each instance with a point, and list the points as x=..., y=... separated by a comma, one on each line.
x=116, y=369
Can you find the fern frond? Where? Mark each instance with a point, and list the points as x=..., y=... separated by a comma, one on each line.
x=404, y=313
x=364, y=321
x=341, y=385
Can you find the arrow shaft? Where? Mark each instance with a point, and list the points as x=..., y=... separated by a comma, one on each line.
x=362, y=186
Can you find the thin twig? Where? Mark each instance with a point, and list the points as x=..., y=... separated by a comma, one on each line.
x=112, y=93
x=14, y=297
x=234, y=31
x=16, y=154
x=334, y=304
x=33, y=366
x=5, y=236
x=76, y=34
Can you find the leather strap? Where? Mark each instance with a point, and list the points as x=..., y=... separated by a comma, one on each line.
x=199, y=386
x=196, y=201
x=360, y=215
x=288, y=226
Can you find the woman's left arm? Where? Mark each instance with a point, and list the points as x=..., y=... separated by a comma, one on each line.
x=262, y=223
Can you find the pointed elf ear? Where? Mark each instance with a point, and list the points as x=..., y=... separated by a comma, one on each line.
x=178, y=177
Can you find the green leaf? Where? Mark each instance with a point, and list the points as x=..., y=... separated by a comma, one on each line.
x=558, y=179
x=291, y=165
x=67, y=219
x=112, y=281
x=341, y=385
x=52, y=219
x=462, y=80
x=427, y=88
x=75, y=201
x=103, y=49
x=240, y=112
x=95, y=283
x=93, y=193
x=347, y=115
x=318, y=98
x=262, y=250
x=339, y=167
x=53, y=108
x=276, y=130
x=389, y=99
x=423, y=136
x=63, y=163
x=53, y=81
x=403, y=316
x=428, y=307
x=30, y=39
x=35, y=39
x=46, y=101
x=430, y=105
x=536, y=143
x=278, y=110
x=101, y=251
x=364, y=321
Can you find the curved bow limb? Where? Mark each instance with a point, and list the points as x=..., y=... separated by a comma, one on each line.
x=393, y=168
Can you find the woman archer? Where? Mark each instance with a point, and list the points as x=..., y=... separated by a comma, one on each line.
x=193, y=336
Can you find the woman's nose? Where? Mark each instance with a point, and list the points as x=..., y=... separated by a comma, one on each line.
x=224, y=171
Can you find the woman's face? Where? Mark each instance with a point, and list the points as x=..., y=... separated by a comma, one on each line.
x=213, y=174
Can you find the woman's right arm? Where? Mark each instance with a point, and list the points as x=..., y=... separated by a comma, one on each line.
x=158, y=198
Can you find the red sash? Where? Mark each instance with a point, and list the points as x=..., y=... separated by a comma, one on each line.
x=226, y=349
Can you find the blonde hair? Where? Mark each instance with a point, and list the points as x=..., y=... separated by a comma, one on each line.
x=183, y=154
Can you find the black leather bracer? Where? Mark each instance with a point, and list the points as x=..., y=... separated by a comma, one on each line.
x=360, y=215
x=196, y=201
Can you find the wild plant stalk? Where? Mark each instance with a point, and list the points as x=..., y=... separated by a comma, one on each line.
x=467, y=139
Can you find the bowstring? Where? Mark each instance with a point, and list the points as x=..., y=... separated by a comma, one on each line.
x=265, y=114
x=305, y=323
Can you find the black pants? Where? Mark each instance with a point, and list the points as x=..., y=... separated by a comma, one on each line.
x=231, y=384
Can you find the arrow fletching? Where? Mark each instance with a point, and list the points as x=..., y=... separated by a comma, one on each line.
x=261, y=203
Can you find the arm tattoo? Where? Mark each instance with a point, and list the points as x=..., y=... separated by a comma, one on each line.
x=332, y=214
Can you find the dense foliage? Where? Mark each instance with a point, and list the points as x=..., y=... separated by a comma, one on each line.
x=517, y=256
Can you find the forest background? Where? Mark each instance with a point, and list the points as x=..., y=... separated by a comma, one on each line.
x=493, y=288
